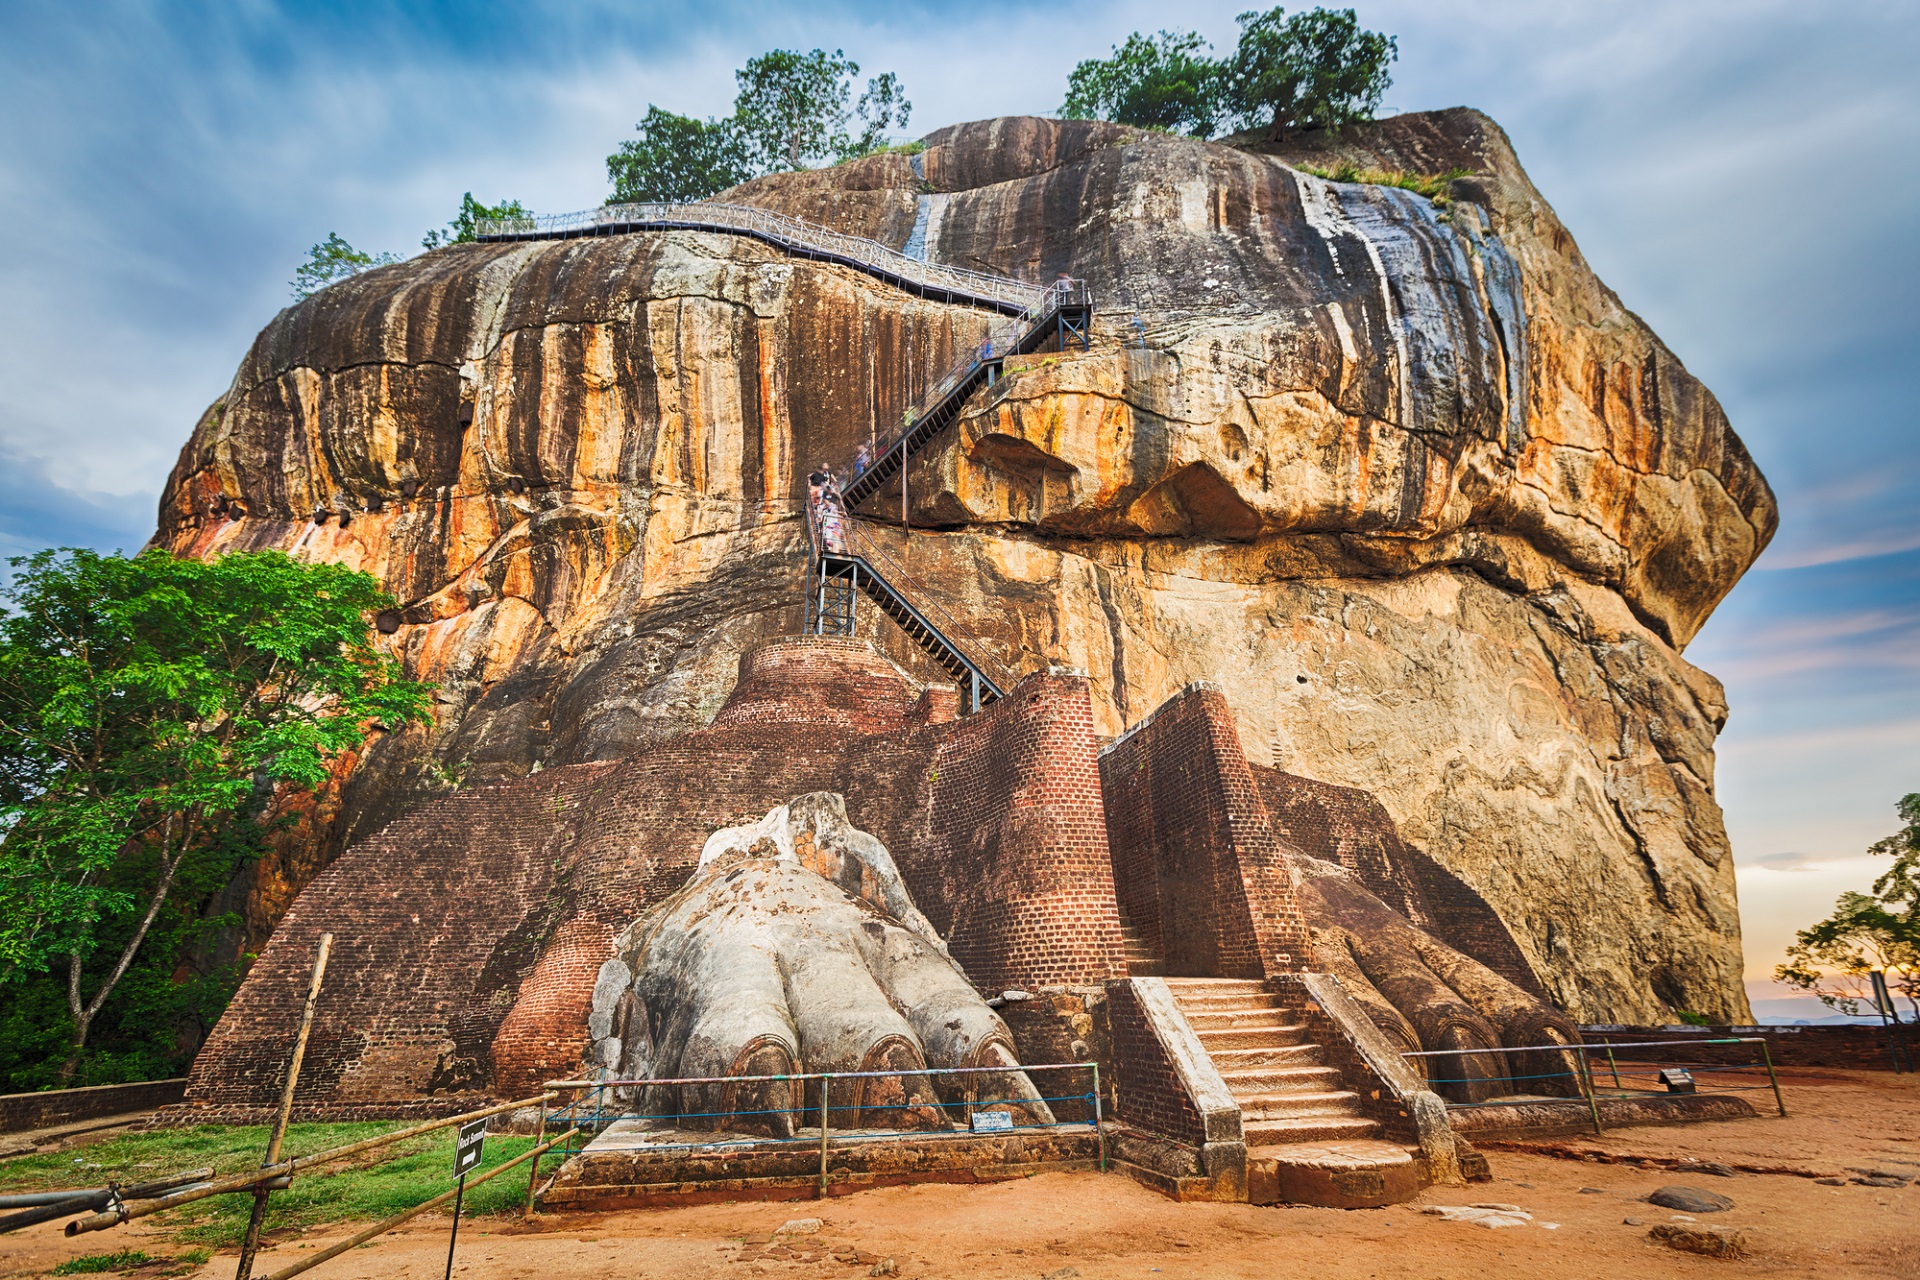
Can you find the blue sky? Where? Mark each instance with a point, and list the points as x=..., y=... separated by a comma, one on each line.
x=1741, y=172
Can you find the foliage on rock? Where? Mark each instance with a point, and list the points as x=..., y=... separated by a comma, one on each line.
x=1317, y=69
x=146, y=705
x=463, y=228
x=793, y=110
x=331, y=261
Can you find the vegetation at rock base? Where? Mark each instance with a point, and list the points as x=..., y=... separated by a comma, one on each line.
x=372, y=1186
x=1431, y=185
x=331, y=261
x=462, y=229
x=1867, y=932
x=793, y=110
x=1316, y=69
x=152, y=710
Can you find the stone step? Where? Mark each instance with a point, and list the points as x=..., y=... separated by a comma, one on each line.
x=1359, y=1173
x=1308, y=1129
x=1292, y=1106
x=1280, y=1055
x=1205, y=1019
x=1274, y=1079
x=1181, y=987
x=1276, y=1036
x=1254, y=1002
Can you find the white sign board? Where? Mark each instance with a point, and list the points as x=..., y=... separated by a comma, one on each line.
x=992, y=1121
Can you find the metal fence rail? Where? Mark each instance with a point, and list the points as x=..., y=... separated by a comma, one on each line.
x=1000, y=292
x=589, y=1113
x=1583, y=1077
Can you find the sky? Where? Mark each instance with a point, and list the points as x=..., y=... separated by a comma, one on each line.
x=1741, y=172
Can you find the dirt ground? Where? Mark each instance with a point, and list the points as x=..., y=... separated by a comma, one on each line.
x=1580, y=1192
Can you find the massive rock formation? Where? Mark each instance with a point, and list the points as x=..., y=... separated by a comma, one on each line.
x=1402, y=476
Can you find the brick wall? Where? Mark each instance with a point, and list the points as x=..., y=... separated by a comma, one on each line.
x=468, y=935
x=50, y=1107
x=1349, y=827
x=1185, y=815
x=1150, y=1093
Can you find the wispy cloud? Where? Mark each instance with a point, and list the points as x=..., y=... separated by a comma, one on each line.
x=1729, y=166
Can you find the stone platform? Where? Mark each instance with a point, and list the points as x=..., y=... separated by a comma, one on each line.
x=1555, y=1117
x=633, y=1165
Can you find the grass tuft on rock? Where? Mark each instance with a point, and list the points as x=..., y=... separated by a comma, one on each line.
x=374, y=1185
x=1431, y=185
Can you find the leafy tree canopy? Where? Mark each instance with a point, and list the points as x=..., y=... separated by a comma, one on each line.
x=148, y=703
x=793, y=110
x=678, y=158
x=1155, y=82
x=1867, y=932
x=1314, y=69
x=333, y=260
x=461, y=229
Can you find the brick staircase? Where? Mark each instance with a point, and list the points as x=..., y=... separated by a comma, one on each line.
x=1280, y=1079
x=1143, y=961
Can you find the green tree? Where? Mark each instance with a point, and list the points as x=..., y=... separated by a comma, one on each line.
x=461, y=229
x=1156, y=82
x=146, y=704
x=332, y=260
x=792, y=109
x=1315, y=69
x=1867, y=932
x=678, y=158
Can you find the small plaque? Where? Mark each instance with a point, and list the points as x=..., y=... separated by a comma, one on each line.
x=1677, y=1080
x=466, y=1148
x=992, y=1121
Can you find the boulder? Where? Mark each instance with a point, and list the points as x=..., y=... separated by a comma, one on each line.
x=1690, y=1200
x=1401, y=474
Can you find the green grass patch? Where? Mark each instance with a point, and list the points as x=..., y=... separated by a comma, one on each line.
x=371, y=1186
x=1431, y=185
x=124, y=1260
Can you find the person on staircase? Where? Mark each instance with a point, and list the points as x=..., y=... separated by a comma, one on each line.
x=826, y=510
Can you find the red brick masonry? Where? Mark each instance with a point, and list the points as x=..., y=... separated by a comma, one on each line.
x=468, y=934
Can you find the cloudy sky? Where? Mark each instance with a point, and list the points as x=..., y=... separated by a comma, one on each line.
x=1741, y=171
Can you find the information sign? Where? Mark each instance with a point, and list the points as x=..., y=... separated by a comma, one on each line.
x=466, y=1149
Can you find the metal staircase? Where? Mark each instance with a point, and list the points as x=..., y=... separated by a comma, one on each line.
x=1063, y=315
x=838, y=576
x=1037, y=314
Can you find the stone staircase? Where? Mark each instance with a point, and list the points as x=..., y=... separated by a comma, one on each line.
x=1309, y=1139
x=1280, y=1079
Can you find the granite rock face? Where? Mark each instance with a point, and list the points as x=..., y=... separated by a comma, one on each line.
x=1403, y=477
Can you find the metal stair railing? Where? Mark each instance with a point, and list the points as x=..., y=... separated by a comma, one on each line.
x=1034, y=310
x=1002, y=293
x=838, y=572
x=980, y=367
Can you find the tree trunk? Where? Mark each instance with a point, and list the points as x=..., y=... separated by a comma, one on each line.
x=82, y=1021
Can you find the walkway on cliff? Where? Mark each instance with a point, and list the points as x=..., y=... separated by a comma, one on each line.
x=1037, y=314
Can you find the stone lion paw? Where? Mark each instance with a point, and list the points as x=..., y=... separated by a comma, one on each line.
x=1429, y=997
x=795, y=948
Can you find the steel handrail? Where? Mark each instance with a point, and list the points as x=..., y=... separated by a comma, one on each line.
x=1001, y=290
x=860, y=545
